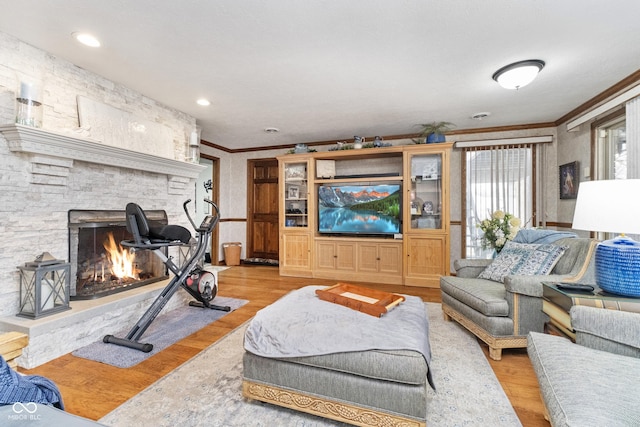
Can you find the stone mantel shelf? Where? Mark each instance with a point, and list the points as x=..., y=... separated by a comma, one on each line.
x=26, y=139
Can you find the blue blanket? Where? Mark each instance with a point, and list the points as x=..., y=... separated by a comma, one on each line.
x=301, y=324
x=26, y=388
x=541, y=237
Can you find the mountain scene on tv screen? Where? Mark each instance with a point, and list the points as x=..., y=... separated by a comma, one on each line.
x=362, y=209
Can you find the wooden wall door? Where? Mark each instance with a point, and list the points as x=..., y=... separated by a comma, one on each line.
x=262, y=205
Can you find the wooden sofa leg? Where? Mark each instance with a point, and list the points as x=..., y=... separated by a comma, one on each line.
x=446, y=317
x=495, y=353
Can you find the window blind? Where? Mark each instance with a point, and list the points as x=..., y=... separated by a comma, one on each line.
x=633, y=138
x=496, y=178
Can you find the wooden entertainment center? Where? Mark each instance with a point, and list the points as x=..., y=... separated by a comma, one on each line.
x=415, y=256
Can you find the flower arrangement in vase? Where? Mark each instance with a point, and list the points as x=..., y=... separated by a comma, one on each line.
x=498, y=229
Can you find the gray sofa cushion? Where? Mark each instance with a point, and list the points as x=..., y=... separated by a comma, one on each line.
x=499, y=326
x=43, y=416
x=585, y=387
x=484, y=296
x=608, y=330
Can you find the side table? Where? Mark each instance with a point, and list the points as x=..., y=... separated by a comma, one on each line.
x=556, y=304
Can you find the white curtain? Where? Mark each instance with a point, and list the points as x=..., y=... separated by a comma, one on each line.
x=633, y=138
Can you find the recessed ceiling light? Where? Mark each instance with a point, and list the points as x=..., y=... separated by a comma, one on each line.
x=203, y=102
x=86, y=39
x=480, y=116
x=271, y=130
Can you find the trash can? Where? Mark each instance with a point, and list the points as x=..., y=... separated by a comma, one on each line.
x=232, y=253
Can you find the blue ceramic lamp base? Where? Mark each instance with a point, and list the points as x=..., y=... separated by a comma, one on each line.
x=618, y=266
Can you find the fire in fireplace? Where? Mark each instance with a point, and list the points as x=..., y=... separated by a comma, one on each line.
x=100, y=266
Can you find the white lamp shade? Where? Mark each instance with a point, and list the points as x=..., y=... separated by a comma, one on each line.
x=611, y=206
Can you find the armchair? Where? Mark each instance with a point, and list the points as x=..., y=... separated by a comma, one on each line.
x=594, y=381
x=502, y=314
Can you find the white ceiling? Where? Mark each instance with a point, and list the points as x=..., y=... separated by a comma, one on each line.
x=331, y=69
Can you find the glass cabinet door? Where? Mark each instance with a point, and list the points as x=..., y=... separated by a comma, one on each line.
x=295, y=195
x=425, y=197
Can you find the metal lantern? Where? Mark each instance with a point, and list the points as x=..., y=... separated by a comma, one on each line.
x=44, y=286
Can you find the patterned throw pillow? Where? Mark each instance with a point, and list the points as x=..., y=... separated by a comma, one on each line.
x=523, y=259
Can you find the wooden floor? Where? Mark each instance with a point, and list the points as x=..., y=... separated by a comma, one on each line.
x=91, y=389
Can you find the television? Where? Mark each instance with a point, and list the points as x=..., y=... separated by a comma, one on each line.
x=364, y=209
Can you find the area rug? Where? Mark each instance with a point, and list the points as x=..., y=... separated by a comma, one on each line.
x=210, y=267
x=206, y=390
x=167, y=329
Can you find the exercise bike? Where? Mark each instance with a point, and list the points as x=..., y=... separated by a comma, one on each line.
x=199, y=283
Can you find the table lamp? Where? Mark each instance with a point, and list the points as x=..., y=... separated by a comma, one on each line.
x=613, y=206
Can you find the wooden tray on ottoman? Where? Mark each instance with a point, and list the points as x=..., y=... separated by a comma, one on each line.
x=369, y=301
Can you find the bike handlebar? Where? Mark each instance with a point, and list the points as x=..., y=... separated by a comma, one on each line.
x=213, y=205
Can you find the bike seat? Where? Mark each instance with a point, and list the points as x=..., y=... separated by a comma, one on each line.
x=147, y=235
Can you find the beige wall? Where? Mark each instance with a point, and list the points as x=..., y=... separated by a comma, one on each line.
x=575, y=145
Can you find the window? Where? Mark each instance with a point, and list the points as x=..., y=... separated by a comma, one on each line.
x=496, y=178
x=611, y=149
x=611, y=156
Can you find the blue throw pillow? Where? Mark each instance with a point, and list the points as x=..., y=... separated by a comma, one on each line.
x=523, y=259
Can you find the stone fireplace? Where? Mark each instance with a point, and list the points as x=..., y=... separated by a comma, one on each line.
x=53, y=173
x=100, y=266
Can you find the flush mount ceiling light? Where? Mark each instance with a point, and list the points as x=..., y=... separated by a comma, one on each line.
x=480, y=116
x=86, y=39
x=519, y=74
x=203, y=102
x=271, y=130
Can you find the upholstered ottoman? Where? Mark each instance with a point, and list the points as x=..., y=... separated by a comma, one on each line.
x=328, y=360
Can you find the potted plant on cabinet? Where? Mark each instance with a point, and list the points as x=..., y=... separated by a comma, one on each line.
x=433, y=132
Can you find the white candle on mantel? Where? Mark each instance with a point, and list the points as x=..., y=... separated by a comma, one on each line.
x=29, y=91
x=193, y=139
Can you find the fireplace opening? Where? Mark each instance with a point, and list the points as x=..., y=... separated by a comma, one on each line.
x=100, y=266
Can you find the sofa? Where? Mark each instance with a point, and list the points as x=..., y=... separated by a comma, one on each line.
x=594, y=381
x=502, y=313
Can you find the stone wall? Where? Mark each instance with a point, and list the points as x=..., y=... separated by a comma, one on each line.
x=33, y=212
